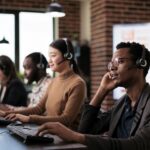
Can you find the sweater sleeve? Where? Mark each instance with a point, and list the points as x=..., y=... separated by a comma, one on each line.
x=38, y=109
x=75, y=98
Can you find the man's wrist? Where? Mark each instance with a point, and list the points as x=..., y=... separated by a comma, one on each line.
x=103, y=90
x=78, y=137
x=99, y=97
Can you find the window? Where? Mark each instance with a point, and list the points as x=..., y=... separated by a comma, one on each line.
x=7, y=27
x=36, y=33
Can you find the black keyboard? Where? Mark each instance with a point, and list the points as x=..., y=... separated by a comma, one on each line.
x=28, y=133
x=4, y=121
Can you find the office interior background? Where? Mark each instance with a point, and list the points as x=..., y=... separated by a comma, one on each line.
x=94, y=26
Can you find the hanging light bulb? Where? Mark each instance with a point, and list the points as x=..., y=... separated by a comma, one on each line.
x=55, y=10
x=4, y=41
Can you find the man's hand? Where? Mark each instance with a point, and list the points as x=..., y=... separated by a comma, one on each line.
x=60, y=130
x=107, y=84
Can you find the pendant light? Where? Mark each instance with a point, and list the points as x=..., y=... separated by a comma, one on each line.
x=55, y=9
x=4, y=41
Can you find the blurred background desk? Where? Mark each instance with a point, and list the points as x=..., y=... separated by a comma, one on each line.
x=10, y=141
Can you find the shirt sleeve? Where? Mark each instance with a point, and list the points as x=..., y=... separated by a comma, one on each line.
x=94, y=121
x=138, y=142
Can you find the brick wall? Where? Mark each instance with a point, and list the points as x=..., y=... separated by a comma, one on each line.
x=69, y=26
x=24, y=4
x=104, y=14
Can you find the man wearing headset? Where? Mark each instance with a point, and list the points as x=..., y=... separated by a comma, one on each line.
x=35, y=65
x=127, y=125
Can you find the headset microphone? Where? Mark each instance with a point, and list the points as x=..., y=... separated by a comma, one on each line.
x=61, y=62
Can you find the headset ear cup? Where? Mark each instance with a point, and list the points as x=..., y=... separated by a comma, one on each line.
x=40, y=66
x=141, y=63
x=68, y=56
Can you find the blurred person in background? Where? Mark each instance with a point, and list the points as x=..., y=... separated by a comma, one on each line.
x=12, y=90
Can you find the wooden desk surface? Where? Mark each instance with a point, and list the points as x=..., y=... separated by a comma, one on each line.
x=10, y=141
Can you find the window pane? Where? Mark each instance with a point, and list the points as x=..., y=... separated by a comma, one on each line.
x=35, y=34
x=7, y=31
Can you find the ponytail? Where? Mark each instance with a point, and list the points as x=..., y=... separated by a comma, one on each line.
x=75, y=67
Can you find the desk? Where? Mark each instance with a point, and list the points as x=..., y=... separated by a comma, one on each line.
x=12, y=142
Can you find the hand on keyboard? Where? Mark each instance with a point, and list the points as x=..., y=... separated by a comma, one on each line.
x=18, y=117
x=28, y=133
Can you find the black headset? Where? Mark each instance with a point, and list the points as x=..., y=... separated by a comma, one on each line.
x=4, y=68
x=68, y=55
x=141, y=62
x=40, y=65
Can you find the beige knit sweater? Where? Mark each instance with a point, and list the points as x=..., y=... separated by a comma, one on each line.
x=62, y=102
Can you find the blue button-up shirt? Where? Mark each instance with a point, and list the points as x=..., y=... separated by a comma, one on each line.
x=124, y=125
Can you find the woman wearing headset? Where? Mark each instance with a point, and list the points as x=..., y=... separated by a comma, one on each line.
x=65, y=93
x=12, y=90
